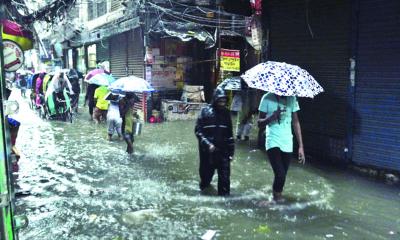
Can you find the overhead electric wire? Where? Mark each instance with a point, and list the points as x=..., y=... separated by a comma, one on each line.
x=201, y=24
x=207, y=9
x=198, y=18
x=194, y=18
x=230, y=22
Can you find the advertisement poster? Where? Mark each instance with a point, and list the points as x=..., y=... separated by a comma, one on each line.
x=230, y=60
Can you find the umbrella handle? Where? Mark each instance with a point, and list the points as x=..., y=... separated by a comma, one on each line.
x=279, y=114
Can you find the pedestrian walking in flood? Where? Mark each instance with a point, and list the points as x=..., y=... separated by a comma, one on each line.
x=100, y=111
x=114, y=120
x=129, y=116
x=74, y=77
x=278, y=112
x=216, y=144
x=241, y=103
x=89, y=98
x=277, y=115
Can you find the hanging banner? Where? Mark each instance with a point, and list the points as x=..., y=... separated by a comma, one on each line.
x=230, y=60
x=256, y=33
x=256, y=5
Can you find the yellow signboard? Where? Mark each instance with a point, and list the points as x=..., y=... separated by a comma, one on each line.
x=230, y=60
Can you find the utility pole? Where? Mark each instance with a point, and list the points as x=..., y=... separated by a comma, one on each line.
x=218, y=55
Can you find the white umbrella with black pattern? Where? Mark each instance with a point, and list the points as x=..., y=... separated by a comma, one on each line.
x=282, y=79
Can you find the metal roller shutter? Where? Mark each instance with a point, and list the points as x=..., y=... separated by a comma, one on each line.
x=377, y=123
x=135, y=53
x=103, y=51
x=115, y=4
x=136, y=66
x=316, y=36
x=119, y=55
x=141, y=106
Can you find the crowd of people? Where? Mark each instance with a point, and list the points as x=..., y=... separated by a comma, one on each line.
x=116, y=109
x=113, y=107
x=214, y=128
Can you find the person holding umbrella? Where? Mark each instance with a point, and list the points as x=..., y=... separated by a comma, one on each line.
x=128, y=115
x=278, y=113
x=129, y=85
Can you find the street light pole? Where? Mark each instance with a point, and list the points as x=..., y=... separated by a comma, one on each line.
x=218, y=69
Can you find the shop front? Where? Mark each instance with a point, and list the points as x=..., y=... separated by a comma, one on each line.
x=176, y=68
x=376, y=126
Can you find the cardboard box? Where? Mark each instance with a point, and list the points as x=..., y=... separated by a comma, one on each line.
x=156, y=51
x=193, y=93
x=159, y=60
x=173, y=110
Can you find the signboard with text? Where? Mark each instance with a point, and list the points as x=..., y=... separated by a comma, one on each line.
x=230, y=60
x=13, y=56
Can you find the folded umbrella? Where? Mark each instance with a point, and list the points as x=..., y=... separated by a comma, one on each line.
x=282, y=79
x=131, y=84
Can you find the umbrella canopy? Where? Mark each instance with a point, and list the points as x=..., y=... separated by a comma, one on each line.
x=93, y=73
x=24, y=72
x=232, y=83
x=282, y=79
x=102, y=79
x=131, y=84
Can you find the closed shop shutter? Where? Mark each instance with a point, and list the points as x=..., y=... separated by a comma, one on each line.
x=141, y=106
x=115, y=4
x=377, y=123
x=103, y=51
x=136, y=67
x=119, y=55
x=136, y=53
x=316, y=36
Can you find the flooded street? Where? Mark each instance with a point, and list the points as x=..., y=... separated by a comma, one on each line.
x=84, y=187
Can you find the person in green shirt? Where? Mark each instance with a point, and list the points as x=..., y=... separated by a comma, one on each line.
x=277, y=115
x=100, y=112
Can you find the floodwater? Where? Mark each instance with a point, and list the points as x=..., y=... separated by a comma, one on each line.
x=83, y=187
